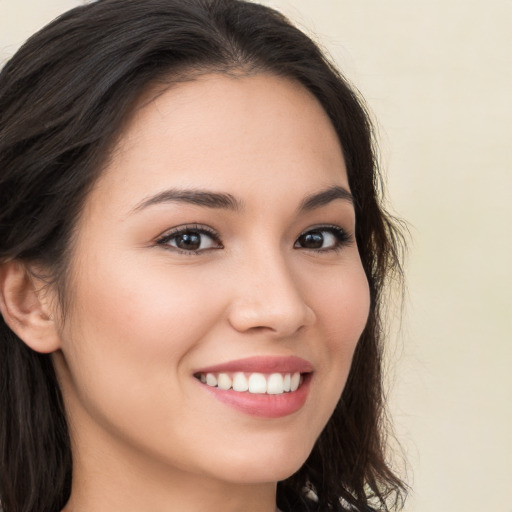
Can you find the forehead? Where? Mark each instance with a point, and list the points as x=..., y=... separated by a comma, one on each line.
x=220, y=131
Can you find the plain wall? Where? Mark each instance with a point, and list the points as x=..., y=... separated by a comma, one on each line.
x=438, y=77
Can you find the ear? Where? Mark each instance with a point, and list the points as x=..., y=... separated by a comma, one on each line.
x=26, y=307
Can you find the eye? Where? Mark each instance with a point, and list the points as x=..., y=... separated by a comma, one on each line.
x=323, y=238
x=190, y=239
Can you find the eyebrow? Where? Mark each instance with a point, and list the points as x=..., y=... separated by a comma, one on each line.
x=195, y=197
x=325, y=197
x=226, y=201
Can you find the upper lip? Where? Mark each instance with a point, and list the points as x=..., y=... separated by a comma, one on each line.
x=262, y=364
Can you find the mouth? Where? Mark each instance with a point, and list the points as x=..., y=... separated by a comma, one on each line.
x=255, y=382
x=268, y=387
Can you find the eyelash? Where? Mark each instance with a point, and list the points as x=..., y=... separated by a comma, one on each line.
x=196, y=229
x=342, y=238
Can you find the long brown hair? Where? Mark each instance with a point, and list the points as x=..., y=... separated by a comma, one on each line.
x=63, y=99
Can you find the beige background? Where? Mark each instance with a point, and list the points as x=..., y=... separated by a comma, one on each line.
x=438, y=76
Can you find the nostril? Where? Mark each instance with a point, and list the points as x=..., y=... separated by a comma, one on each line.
x=280, y=317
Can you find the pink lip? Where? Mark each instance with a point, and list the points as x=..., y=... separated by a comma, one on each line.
x=262, y=405
x=262, y=364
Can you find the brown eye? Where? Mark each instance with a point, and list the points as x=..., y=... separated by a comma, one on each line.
x=191, y=240
x=323, y=239
x=188, y=241
x=311, y=240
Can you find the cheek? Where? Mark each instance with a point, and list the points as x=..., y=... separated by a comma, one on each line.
x=127, y=341
x=147, y=305
x=342, y=308
x=133, y=323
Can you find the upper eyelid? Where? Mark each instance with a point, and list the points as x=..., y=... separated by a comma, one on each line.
x=169, y=233
x=327, y=227
x=322, y=226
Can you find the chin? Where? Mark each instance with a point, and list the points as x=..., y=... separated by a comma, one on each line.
x=271, y=465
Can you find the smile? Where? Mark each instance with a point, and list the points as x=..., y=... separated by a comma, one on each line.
x=256, y=383
x=263, y=386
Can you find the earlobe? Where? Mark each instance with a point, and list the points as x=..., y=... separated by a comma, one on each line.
x=26, y=308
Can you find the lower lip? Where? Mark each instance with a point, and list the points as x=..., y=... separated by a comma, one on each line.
x=263, y=405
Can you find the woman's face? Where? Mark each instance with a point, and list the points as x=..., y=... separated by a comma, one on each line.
x=218, y=245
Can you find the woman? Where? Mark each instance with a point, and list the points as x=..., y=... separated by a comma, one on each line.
x=192, y=259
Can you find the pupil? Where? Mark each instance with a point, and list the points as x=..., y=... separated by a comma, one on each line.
x=313, y=240
x=189, y=241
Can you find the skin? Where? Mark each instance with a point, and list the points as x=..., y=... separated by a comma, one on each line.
x=144, y=316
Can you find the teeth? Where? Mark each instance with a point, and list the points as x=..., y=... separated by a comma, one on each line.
x=295, y=381
x=224, y=381
x=211, y=380
x=257, y=383
x=287, y=381
x=275, y=385
x=240, y=382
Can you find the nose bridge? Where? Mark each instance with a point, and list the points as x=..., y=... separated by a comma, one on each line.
x=268, y=295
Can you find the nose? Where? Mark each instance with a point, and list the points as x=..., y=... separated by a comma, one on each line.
x=268, y=298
